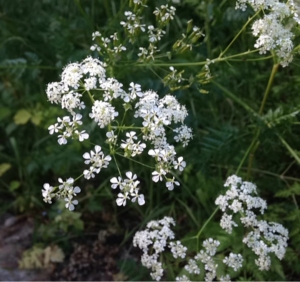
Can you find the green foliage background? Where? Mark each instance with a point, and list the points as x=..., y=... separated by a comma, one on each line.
x=38, y=38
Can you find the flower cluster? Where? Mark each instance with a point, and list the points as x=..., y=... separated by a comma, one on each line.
x=271, y=31
x=264, y=237
x=165, y=13
x=156, y=115
x=106, y=45
x=128, y=189
x=153, y=241
x=156, y=238
x=97, y=159
x=68, y=128
x=65, y=190
x=206, y=257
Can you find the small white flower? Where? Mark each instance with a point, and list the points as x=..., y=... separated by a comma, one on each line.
x=180, y=164
x=116, y=182
x=53, y=128
x=121, y=200
x=111, y=137
x=65, y=185
x=82, y=135
x=234, y=261
x=70, y=204
x=177, y=249
x=170, y=184
x=103, y=113
x=47, y=193
x=157, y=176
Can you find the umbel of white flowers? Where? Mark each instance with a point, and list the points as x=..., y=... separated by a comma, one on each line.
x=263, y=237
x=274, y=29
x=155, y=114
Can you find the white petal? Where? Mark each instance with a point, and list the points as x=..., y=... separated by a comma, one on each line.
x=141, y=200
x=86, y=156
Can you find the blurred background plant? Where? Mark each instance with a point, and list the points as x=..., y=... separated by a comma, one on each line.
x=38, y=38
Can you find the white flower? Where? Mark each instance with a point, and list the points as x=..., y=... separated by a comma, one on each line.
x=122, y=197
x=170, y=184
x=82, y=135
x=225, y=278
x=62, y=140
x=71, y=75
x=211, y=246
x=103, y=113
x=74, y=191
x=90, y=83
x=179, y=164
x=89, y=173
x=47, y=193
x=53, y=128
x=116, y=182
x=182, y=278
x=93, y=67
x=95, y=35
x=70, y=204
x=54, y=92
x=135, y=90
x=192, y=267
x=66, y=185
x=234, y=260
x=140, y=198
x=157, y=176
x=111, y=137
x=177, y=249
x=227, y=223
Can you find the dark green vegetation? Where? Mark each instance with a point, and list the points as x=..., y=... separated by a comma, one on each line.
x=38, y=38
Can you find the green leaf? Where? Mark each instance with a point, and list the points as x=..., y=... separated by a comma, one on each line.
x=36, y=118
x=14, y=185
x=22, y=117
x=4, y=167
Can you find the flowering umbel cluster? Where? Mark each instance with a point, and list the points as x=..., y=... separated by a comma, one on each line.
x=274, y=29
x=154, y=240
x=158, y=238
x=264, y=237
x=87, y=82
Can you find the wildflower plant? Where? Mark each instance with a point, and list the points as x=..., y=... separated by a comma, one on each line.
x=137, y=121
x=262, y=237
x=156, y=116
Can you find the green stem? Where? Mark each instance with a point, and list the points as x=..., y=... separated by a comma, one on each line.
x=269, y=86
x=236, y=99
x=123, y=127
x=238, y=34
x=250, y=148
x=257, y=131
x=216, y=60
x=205, y=224
x=117, y=165
x=134, y=161
x=216, y=210
x=91, y=97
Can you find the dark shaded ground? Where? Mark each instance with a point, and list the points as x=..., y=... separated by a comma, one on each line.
x=92, y=260
x=15, y=237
